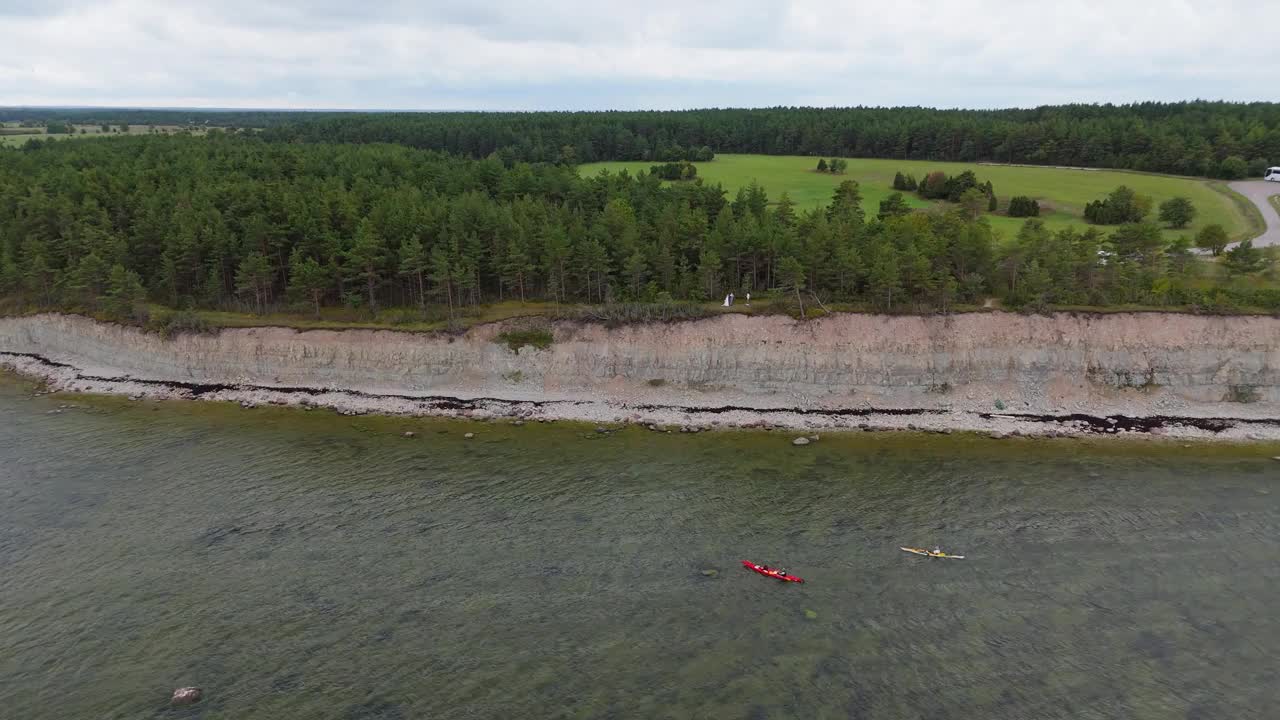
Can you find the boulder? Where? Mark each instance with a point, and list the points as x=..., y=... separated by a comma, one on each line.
x=800, y=441
x=410, y=433
x=469, y=435
x=187, y=695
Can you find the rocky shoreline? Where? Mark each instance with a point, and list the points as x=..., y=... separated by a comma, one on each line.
x=62, y=377
x=1133, y=374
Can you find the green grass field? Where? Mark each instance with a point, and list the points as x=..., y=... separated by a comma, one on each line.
x=1062, y=193
x=90, y=131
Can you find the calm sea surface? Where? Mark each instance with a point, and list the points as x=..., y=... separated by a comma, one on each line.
x=305, y=565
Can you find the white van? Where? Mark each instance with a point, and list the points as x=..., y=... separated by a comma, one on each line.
x=1273, y=174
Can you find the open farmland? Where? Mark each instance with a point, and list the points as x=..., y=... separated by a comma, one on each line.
x=1062, y=192
x=11, y=134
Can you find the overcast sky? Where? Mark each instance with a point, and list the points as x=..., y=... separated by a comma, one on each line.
x=599, y=54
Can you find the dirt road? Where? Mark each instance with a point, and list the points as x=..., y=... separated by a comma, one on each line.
x=1258, y=191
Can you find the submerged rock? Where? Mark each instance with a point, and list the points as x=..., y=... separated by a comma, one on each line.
x=710, y=572
x=800, y=441
x=811, y=614
x=187, y=695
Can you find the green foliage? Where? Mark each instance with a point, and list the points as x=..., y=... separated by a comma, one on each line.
x=1177, y=212
x=894, y=206
x=958, y=185
x=58, y=128
x=1123, y=205
x=905, y=183
x=539, y=338
x=835, y=166
x=231, y=222
x=934, y=186
x=635, y=313
x=253, y=279
x=1212, y=238
x=1023, y=206
x=1184, y=138
x=973, y=200
x=1243, y=259
x=179, y=322
x=125, y=296
x=309, y=278
x=683, y=170
x=1233, y=167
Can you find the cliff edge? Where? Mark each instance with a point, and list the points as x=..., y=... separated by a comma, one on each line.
x=963, y=371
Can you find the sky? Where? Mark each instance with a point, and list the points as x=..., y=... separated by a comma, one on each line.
x=648, y=54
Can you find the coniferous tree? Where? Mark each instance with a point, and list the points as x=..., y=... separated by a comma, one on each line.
x=894, y=206
x=791, y=278
x=309, y=277
x=253, y=277
x=124, y=292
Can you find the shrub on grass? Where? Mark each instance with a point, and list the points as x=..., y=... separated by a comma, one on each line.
x=1023, y=206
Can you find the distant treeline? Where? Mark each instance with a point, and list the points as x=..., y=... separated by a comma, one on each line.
x=1195, y=138
x=119, y=116
x=233, y=221
x=1190, y=138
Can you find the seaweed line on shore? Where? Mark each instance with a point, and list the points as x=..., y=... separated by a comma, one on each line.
x=66, y=377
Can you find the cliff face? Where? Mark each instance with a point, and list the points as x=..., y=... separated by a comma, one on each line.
x=1125, y=363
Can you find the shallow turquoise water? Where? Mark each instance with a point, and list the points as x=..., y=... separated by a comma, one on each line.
x=305, y=565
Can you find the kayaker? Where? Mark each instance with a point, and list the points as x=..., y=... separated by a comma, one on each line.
x=937, y=550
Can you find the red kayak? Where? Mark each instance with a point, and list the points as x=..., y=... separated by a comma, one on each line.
x=767, y=571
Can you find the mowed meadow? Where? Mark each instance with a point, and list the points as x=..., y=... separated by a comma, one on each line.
x=13, y=135
x=1061, y=192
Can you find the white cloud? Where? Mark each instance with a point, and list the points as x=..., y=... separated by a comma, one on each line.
x=507, y=54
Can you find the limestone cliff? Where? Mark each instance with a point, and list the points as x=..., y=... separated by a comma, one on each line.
x=1130, y=363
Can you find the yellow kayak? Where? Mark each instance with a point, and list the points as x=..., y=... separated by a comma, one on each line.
x=932, y=554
